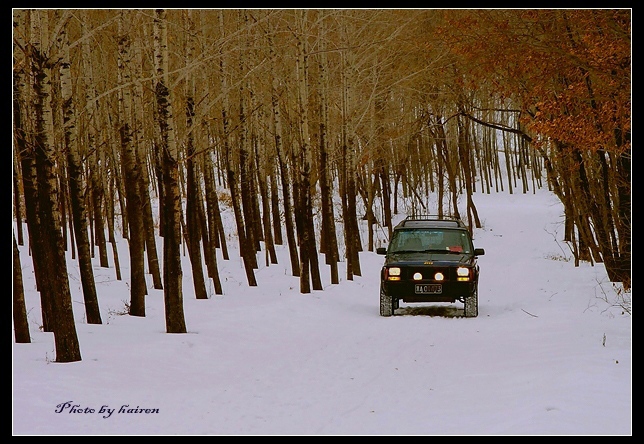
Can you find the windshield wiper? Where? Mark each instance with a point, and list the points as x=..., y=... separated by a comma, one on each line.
x=430, y=250
x=440, y=250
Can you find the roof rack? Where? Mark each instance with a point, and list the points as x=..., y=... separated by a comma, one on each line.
x=416, y=220
x=431, y=217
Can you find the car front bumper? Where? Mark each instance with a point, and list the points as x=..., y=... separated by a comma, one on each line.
x=450, y=291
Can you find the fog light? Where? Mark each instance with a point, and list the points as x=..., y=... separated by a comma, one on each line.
x=418, y=276
x=439, y=276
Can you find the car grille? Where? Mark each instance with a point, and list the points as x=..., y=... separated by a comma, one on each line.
x=429, y=272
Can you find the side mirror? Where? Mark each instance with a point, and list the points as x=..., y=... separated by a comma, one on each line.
x=479, y=252
x=381, y=250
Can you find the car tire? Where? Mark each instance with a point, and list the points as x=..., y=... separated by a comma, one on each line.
x=386, y=303
x=471, y=308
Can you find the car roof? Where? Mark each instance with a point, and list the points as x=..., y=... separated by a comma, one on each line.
x=430, y=221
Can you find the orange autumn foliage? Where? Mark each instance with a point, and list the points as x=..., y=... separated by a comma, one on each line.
x=569, y=69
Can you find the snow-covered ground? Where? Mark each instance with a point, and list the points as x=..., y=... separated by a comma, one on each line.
x=549, y=353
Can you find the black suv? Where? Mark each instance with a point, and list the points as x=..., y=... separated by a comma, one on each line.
x=430, y=259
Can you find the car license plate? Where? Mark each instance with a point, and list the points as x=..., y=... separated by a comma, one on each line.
x=429, y=288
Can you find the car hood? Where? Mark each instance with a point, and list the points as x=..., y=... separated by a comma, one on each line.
x=438, y=259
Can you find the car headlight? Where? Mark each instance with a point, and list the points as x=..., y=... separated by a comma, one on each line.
x=418, y=277
x=393, y=274
x=439, y=276
x=463, y=274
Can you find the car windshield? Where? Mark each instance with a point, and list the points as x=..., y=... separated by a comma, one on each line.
x=429, y=240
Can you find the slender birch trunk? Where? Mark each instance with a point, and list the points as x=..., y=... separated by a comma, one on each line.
x=330, y=243
x=131, y=172
x=193, y=189
x=352, y=235
x=19, y=61
x=144, y=178
x=275, y=208
x=23, y=114
x=91, y=107
x=261, y=165
x=17, y=201
x=19, y=74
x=230, y=171
x=251, y=244
x=464, y=150
x=172, y=272
x=215, y=224
x=20, y=322
x=74, y=174
x=281, y=161
x=64, y=328
x=108, y=184
x=308, y=252
x=211, y=225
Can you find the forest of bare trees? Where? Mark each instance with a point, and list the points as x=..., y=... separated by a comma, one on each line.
x=142, y=124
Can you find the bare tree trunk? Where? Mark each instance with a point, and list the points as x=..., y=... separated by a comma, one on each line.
x=354, y=232
x=76, y=191
x=212, y=223
x=17, y=202
x=209, y=234
x=26, y=156
x=97, y=190
x=275, y=208
x=97, y=198
x=19, y=95
x=63, y=196
x=144, y=179
x=117, y=185
x=132, y=173
x=44, y=282
x=282, y=164
x=308, y=251
x=253, y=173
x=352, y=239
x=348, y=245
x=230, y=172
x=108, y=184
x=193, y=228
x=447, y=162
x=20, y=322
x=328, y=237
x=172, y=272
x=262, y=174
x=464, y=150
x=440, y=171
x=112, y=240
x=215, y=224
x=192, y=185
x=251, y=242
x=385, y=185
x=65, y=337
x=369, y=216
x=623, y=212
x=508, y=162
x=157, y=157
